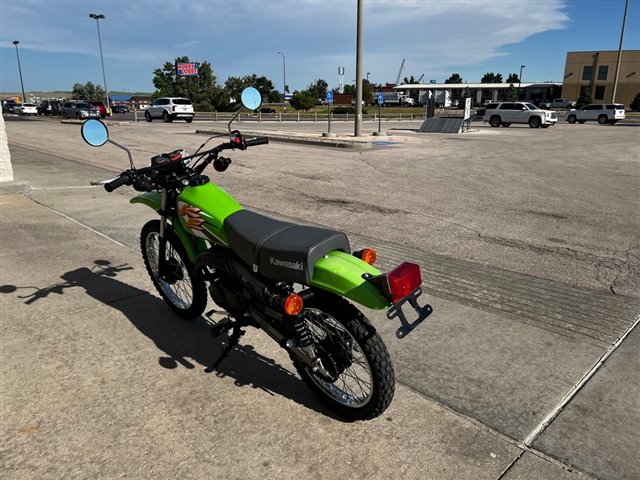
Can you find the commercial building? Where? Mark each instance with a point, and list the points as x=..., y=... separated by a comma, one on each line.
x=596, y=71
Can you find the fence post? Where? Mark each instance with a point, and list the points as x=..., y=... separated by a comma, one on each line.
x=280, y=117
x=298, y=117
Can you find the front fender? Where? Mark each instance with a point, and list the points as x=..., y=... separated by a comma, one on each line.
x=341, y=273
x=152, y=200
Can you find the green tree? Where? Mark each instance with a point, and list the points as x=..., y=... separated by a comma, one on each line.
x=635, y=104
x=87, y=92
x=234, y=85
x=491, y=77
x=585, y=97
x=302, y=101
x=454, y=78
x=203, y=90
x=513, y=78
x=512, y=93
x=318, y=89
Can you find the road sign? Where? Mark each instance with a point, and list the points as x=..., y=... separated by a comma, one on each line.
x=380, y=98
x=329, y=96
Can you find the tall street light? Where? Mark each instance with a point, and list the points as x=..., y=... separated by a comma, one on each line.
x=284, y=79
x=97, y=18
x=520, y=76
x=16, y=42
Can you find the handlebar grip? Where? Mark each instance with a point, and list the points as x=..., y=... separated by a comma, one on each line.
x=123, y=179
x=256, y=141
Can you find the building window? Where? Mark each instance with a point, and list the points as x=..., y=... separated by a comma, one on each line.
x=587, y=72
x=603, y=70
x=599, y=94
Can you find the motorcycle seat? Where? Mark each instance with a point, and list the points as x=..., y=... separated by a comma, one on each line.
x=281, y=250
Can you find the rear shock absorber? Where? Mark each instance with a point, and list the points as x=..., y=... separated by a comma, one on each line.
x=305, y=337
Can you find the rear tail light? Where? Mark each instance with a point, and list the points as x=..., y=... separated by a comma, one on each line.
x=403, y=280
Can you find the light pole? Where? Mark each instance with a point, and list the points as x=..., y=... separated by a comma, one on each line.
x=368, y=73
x=97, y=18
x=615, y=81
x=520, y=76
x=284, y=80
x=16, y=42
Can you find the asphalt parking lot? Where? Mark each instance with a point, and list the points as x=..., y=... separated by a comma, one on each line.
x=530, y=248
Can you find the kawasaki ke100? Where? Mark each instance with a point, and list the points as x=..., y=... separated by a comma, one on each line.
x=293, y=281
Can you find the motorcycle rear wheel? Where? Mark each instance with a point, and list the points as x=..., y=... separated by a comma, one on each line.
x=363, y=383
x=186, y=295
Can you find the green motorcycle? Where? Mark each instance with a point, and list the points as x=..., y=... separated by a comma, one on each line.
x=295, y=282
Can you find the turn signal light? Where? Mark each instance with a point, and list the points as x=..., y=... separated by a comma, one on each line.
x=403, y=280
x=293, y=304
x=368, y=255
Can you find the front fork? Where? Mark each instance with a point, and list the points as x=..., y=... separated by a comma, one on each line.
x=162, y=247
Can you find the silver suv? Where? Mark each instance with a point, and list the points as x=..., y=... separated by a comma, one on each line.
x=506, y=113
x=79, y=109
x=170, y=109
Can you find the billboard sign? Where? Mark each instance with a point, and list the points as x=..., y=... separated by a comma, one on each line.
x=187, y=69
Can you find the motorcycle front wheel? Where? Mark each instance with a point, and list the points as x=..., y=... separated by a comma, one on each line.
x=360, y=383
x=186, y=295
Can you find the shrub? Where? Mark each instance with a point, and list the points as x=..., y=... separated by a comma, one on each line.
x=635, y=105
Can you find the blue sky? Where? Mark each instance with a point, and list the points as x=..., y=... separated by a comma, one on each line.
x=59, y=42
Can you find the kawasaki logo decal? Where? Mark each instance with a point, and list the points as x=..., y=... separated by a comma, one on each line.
x=284, y=263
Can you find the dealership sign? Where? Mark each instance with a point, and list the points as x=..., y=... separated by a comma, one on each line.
x=187, y=69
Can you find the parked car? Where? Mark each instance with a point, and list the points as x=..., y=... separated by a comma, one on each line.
x=170, y=109
x=25, y=109
x=79, y=109
x=101, y=108
x=120, y=108
x=609, y=113
x=558, y=103
x=506, y=113
x=50, y=107
x=9, y=106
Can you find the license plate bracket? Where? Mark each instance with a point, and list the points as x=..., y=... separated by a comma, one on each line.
x=407, y=327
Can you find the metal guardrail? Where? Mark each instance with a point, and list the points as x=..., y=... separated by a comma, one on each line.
x=295, y=117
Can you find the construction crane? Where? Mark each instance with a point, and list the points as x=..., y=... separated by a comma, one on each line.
x=400, y=72
x=420, y=79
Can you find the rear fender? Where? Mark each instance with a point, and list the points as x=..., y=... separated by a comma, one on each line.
x=341, y=273
x=192, y=245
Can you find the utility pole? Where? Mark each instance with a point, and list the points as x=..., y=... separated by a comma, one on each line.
x=615, y=81
x=97, y=18
x=359, y=71
x=16, y=42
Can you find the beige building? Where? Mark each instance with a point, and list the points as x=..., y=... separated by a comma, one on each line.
x=597, y=71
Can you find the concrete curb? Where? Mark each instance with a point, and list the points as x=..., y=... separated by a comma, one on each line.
x=338, y=142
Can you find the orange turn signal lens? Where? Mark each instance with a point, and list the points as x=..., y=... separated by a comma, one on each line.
x=369, y=255
x=293, y=304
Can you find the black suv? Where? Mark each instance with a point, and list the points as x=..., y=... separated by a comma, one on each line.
x=50, y=107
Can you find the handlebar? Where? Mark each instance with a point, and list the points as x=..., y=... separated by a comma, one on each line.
x=256, y=141
x=139, y=178
x=123, y=179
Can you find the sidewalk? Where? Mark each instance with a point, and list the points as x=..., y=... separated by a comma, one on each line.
x=100, y=380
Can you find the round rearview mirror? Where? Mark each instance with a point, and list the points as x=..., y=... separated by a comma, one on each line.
x=251, y=98
x=94, y=132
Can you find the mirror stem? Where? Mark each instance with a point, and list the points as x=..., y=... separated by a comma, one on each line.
x=125, y=149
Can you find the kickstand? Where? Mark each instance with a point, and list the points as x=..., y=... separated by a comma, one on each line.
x=234, y=339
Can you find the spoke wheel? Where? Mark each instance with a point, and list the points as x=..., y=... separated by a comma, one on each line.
x=358, y=379
x=186, y=295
